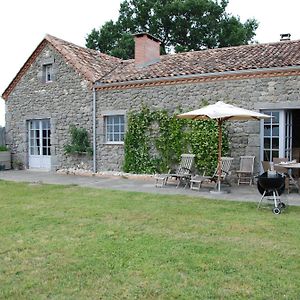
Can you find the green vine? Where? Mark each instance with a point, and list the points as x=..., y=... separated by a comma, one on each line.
x=155, y=140
x=170, y=141
x=203, y=138
x=79, y=141
x=137, y=143
x=3, y=148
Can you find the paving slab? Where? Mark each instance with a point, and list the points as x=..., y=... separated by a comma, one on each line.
x=144, y=184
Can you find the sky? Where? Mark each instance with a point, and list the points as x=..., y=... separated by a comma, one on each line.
x=23, y=25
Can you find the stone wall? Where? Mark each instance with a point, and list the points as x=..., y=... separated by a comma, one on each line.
x=67, y=100
x=247, y=93
x=2, y=136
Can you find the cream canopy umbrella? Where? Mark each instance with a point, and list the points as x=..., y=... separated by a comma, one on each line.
x=222, y=112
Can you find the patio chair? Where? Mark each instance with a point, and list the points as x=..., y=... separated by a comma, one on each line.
x=182, y=173
x=197, y=180
x=245, y=173
x=276, y=161
x=284, y=171
x=225, y=167
x=265, y=165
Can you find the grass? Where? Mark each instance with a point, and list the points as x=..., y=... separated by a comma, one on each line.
x=67, y=242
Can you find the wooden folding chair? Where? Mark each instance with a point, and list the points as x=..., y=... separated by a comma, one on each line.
x=197, y=180
x=182, y=173
x=245, y=173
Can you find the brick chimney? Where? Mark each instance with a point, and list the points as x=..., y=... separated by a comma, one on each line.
x=147, y=49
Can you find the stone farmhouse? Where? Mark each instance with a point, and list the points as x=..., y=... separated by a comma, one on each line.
x=62, y=84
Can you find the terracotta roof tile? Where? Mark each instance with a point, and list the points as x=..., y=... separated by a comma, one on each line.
x=105, y=69
x=246, y=57
x=90, y=63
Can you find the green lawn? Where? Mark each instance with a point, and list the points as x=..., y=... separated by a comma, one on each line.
x=66, y=242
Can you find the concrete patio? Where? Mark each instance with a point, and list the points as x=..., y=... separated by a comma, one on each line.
x=143, y=184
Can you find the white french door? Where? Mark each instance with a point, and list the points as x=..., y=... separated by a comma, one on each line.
x=288, y=135
x=39, y=135
x=276, y=135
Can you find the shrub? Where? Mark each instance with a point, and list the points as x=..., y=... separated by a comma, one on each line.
x=4, y=148
x=79, y=141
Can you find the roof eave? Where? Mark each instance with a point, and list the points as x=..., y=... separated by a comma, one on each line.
x=194, y=76
x=24, y=68
x=47, y=40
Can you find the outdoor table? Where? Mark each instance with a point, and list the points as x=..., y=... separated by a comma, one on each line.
x=290, y=166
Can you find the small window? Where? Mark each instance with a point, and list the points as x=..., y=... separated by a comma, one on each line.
x=114, y=128
x=48, y=73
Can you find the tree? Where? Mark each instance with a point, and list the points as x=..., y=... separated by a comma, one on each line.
x=112, y=40
x=181, y=25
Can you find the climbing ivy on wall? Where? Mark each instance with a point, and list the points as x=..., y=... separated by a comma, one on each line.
x=203, y=139
x=170, y=141
x=137, y=143
x=155, y=140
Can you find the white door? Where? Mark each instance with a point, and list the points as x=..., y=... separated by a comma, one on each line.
x=39, y=144
x=288, y=134
x=277, y=135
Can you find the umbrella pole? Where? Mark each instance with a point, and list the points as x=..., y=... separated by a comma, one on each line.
x=219, y=154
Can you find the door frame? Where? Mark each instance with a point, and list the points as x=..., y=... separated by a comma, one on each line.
x=285, y=134
x=39, y=143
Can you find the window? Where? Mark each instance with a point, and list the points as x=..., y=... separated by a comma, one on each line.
x=114, y=128
x=277, y=135
x=271, y=136
x=48, y=73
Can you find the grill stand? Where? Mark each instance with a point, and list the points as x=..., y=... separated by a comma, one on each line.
x=272, y=188
x=278, y=205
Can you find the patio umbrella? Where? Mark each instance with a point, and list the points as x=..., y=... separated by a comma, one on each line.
x=222, y=112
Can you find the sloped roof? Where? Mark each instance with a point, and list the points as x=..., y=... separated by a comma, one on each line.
x=91, y=64
x=246, y=57
x=105, y=69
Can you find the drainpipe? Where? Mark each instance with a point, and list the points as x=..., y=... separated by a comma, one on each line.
x=94, y=131
x=94, y=116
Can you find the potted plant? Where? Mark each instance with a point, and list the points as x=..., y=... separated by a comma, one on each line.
x=5, y=158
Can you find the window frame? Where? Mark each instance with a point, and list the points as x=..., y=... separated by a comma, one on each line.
x=48, y=71
x=39, y=137
x=112, y=125
x=280, y=123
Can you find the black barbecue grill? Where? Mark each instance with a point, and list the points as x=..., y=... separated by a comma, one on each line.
x=272, y=184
